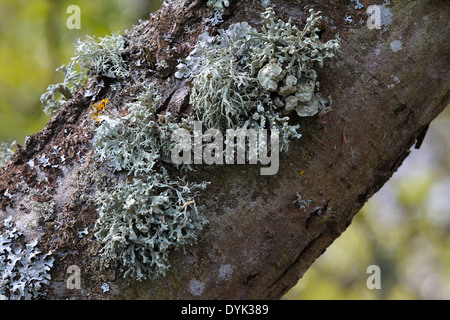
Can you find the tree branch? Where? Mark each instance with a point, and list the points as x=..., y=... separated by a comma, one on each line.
x=257, y=243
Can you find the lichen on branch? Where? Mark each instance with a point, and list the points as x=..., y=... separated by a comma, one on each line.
x=249, y=79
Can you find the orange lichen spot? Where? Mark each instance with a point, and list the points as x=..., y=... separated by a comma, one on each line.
x=187, y=203
x=98, y=108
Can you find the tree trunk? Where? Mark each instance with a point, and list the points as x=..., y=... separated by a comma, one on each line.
x=387, y=86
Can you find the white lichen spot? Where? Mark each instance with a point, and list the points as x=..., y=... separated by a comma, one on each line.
x=43, y=160
x=82, y=233
x=396, y=81
x=225, y=272
x=358, y=4
x=56, y=149
x=196, y=287
x=7, y=194
x=303, y=204
x=105, y=287
x=31, y=163
x=396, y=45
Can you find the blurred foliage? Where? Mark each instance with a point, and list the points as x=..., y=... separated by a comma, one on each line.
x=34, y=41
x=404, y=228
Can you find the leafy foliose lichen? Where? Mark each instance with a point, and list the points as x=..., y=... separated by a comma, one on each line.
x=102, y=56
x=140, y=222
x=94, y=57
x=249, y=79
x=23, y=270
x=138, y=141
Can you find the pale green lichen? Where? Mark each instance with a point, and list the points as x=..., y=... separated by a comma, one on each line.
x=138, y=140
x=58, y=94
x=249, y=79
x=94, y=57
x=142, y=221
x=23, y=270
x=102, y=56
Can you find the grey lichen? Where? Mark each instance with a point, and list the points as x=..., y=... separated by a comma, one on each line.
x=143, y=220
x=303, y=204
x=219, y=9
x=141, y=223
x=102, y=56
x=249, y=79
x=138, y=140
x=94, y=57
x=23, y=270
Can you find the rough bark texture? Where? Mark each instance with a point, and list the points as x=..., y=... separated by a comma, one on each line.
x=258, y=243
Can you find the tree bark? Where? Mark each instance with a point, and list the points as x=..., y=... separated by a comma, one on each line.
x=387, y=86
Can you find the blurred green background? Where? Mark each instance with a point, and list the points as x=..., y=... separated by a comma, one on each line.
x=34, y=41
x=403, y=229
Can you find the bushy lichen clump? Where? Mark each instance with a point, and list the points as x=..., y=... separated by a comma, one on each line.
x=102, y=56
x=136, y=141
x=94, y=57
x=140, y=222
x=243, y=78
x=23, y=271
